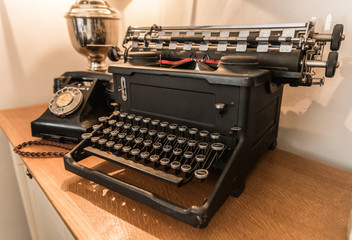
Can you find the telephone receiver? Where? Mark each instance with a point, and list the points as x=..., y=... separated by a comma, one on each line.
x=79, y=99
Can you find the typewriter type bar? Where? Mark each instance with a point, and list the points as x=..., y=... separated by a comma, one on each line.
x=178, y=85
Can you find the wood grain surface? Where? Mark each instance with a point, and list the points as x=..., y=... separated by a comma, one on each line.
x=286, y=197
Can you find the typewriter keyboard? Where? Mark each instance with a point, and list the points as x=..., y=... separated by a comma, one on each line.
x=163, y=150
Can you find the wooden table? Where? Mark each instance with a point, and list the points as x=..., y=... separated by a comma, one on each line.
x=286, y=197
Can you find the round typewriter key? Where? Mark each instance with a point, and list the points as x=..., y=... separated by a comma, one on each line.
x=177, y=151
x=181, y=140
x=126, y=149
x=217, y=146
x=138, y=140
x=201, y=173
x=154, y=158
x=215, y=136
x=188, y=154
x=143, y=130
x=171, y=137
x=96, y=126
x=203, y=133
x=175, y=165
x=147, y=142
x=119, y=124
x=152, y=132
x=127, y=126
x=203, y=145
x=144, y=155
x=121, y=135
x=193, y=131
x=186, y=168
x=200, y=158
x=114, y=133
x=85, y=136
x=161, y=135
x=135, y=128
x=123, y=115
x=103, y=119
x=157, y=145
x=146, y=120
x=164, y=161
x=155, y=122
x=130, y=116
x=135, y=152
x=118, y=146
x=164, y=124
x=129, y=137
x=182, y=128
x=173, y=126
x=94, y=139
x=102, y=141
x=192, y=143
x=138, y=118
x=106, y=130
x=167, y=148
x=110, y=144
x=116, y=113
x=112, y=122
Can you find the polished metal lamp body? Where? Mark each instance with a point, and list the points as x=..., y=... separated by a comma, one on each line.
x=93, y=27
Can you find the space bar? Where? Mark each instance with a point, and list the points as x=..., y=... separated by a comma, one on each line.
x=134, y=165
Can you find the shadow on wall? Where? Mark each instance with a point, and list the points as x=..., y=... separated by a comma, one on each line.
x=34, y=85
x=333, y=137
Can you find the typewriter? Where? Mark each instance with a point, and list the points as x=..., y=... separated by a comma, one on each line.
x=198, y=102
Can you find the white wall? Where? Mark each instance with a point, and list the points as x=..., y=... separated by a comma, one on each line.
x=315, y=122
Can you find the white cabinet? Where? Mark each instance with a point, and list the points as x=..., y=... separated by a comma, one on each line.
x=43, y=220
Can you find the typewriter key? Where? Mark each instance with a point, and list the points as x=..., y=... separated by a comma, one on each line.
x=135, y=128
x=96, y=126
x=147, y=143
x=193, y=132
x=182, y=130
x=164, y=125
x=135, y=153
x=175, y=165
x=155, y=123
x=202, y=146
x=215, y=136
x=126, y=150
x=109, y=145
x=112, y=122
x=129, y=137
x=152, y=132
x=114, y=133
x=86, y=136
x=201, y=174
x=181, y=140
x=118, y=146
x=138, y=140
x=188, y=154
x=154, y=158
x=172, y=127
x=94, y=140
x=171, y=137
x=200, y=158
x=103, y=119
x=144, y=155
x=123, y=116
x=102, y=142
x=131, y=117
x=157, y=145
x=192, y=144
x=146, y=122
x=116, y=114
x=119, y=124
x=177, y=151
x=204, y=134
x=186, y=168
x=106, y=132
x=217, y=146
x=161, y=135
x=164, y=161
x=127, y=126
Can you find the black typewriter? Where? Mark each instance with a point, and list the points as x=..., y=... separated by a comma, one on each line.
x=195, y=102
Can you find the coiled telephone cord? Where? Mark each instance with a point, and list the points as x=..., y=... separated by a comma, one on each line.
x=18, y=148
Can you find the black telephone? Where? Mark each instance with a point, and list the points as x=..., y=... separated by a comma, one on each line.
x=79, y=99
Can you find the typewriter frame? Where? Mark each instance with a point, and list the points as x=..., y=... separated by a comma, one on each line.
x=231, y=181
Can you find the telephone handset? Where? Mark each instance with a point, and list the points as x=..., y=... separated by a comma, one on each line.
x=79, y=99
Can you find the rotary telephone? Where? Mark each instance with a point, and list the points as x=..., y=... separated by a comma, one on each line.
x=79, y=99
